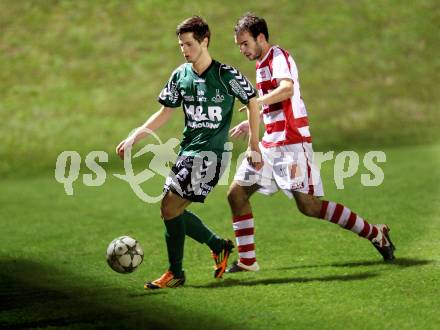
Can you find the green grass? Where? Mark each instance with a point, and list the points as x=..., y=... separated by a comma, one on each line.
x=314, y=274
x=81, y=74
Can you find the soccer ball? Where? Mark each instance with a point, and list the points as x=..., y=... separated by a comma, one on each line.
x=124, y=254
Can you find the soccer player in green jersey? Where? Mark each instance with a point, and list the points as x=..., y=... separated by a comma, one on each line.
x=206, y=89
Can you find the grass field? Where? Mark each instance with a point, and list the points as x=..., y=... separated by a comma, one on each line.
x=79, y=75
x=314, y=275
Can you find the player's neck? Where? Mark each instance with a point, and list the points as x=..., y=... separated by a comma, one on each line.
x=202, y=63
x=265, y=49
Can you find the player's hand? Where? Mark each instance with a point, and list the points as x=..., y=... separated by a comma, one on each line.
x=241, y=129
x=122, y=146
x=254, y=158
x=120, y=149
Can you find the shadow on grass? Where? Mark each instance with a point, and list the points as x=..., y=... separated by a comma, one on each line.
x=287, y=280
x=34, y=295
x=400, y=262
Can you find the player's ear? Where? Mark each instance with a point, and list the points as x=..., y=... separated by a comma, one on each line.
x=205, y=42
x=261, y=38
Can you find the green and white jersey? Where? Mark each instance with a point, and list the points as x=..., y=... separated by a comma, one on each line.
x=208, y=101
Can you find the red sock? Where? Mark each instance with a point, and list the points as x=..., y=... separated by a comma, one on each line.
x=344, y=217
x=244, y=236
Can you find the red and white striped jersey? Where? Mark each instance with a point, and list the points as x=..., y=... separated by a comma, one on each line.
x=285, y=122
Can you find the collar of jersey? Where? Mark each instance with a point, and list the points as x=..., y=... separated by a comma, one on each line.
x=267, y=54
x=204, y=72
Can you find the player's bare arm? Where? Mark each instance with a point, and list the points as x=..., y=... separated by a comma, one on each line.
x=242, y=129
x=254, y=153
x=153, y=123
x=283, y=92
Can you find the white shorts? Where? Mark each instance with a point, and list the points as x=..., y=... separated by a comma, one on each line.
x=288, y=168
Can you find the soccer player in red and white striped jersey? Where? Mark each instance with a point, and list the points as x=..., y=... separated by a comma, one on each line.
x=287, y=151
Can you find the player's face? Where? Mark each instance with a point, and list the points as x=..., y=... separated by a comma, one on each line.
x=191, y=49
x=249, y=46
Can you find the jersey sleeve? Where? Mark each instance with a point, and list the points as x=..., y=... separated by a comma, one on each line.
x=280, y=66
x=170, y=95
x=237, y=84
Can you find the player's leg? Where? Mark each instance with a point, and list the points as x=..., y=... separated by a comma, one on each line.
x=220, y=248
x=296, y=174
x=200, y=187
x=205, y=175
x=243, y=224
x=248, y=180
x=194, y=178
x=339, y=214
x=238, y=198
x=172, y=208
x=200, y=232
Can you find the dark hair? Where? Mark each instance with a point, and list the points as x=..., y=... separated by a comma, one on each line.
x=252, y=24
x=197, y=25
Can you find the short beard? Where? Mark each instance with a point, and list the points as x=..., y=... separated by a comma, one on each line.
x=258, y=52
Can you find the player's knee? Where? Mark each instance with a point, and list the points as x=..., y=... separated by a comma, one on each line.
x=167, y=210
x=231, y=197
x=164, y=211
x=309, y=209
x=236, y=197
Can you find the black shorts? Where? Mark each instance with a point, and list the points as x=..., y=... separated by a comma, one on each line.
x=193, y=177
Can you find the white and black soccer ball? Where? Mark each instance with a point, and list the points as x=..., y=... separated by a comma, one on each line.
x=124, y=254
